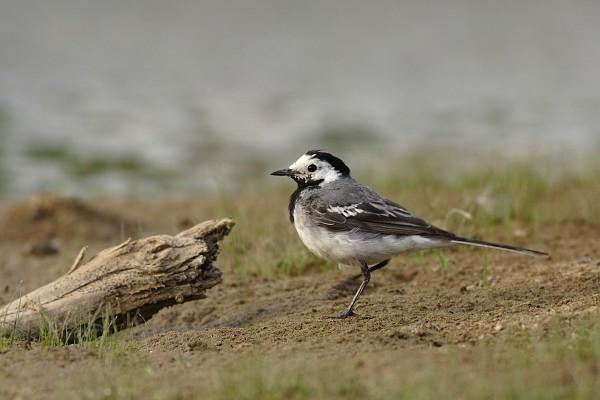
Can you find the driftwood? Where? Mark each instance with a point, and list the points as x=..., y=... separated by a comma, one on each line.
x=137, y=276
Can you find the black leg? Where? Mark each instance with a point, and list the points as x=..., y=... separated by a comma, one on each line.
x=372, y=269
x=366, y=273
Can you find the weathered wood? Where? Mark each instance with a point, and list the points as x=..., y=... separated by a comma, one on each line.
x=137, y=276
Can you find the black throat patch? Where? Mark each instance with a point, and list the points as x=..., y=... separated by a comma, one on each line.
x=302, y=185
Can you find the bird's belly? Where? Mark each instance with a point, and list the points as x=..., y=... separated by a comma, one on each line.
x=316, y=239
x=354, y=248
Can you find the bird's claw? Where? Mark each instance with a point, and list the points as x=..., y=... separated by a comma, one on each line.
x=346, y=314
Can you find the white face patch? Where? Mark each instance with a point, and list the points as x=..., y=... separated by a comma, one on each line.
x=324, y=171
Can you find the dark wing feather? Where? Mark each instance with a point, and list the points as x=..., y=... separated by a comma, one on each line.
x=377, y=217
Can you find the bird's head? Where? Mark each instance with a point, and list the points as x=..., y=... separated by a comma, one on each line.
x=315, y=167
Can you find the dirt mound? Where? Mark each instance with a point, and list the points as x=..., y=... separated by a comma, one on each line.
x=47, y=220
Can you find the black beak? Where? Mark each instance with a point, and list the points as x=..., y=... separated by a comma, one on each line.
x=283, y=172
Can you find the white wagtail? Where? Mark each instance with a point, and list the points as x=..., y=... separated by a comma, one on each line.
x=346, y=222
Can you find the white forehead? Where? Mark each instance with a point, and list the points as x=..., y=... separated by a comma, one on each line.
x=302, y=162
x=306, y=159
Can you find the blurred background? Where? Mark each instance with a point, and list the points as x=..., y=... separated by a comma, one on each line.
x=152, y=97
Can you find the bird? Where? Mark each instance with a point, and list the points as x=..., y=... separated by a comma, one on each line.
x=343, y=221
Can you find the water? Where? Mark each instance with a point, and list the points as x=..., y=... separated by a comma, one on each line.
x=147, y=96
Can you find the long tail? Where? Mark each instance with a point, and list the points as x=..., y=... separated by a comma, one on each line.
x=498, y=246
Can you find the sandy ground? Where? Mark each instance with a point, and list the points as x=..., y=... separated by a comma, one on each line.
x=411, y=308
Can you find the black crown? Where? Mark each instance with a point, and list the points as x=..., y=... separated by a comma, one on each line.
x=332, y=160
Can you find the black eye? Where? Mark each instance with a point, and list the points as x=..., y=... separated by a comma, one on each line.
x=312, y=168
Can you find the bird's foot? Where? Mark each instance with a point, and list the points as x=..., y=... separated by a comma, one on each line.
x=346, y=314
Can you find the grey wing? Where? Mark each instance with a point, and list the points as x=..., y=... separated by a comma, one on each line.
x=379, y=216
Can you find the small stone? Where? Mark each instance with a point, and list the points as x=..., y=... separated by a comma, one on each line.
x=45, y=248
x=399, y=335
x=498, y=327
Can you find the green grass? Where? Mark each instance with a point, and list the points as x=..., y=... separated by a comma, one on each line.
x=264, y=380
x=9, y=332
x=442, y=262
x=485, y=271
x=5, y=343
x=95, y=333
x=81, y=167
x=553, y=365
x=527, y=191
x=557, y=364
